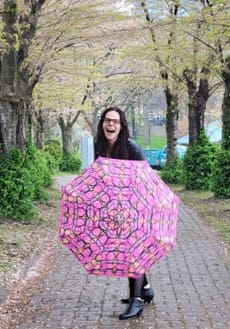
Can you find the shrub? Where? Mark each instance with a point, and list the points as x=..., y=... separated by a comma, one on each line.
x=53, y=147
x=22, y=181
x=51, y=162
x=39, y=170
x=16, y=188
x=172, y=172
x=70, y=162
x=221, y=174
x=197, y=165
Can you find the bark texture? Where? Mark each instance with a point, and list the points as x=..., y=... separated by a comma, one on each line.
x=17, y=75
x=226, y=105
x=198, y=97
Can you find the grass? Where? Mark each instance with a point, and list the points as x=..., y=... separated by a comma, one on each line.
x=215, y=212
x=5, y=264
x=156, y=142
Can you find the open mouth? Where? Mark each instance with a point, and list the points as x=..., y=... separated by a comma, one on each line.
x=110, y=131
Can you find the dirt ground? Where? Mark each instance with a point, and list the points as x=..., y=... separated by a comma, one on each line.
x=21, y=243
x=215, y=212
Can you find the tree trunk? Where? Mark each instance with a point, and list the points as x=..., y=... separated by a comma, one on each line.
x=202, y=97
x=170, y=93
x=67, y=138
x=16, y=80
x=67, y=135
x=13, y=113
x=146, y=123
x=192, y=115
x=95, y=120
x=39, y=132
x=133, y=123
x=226, y=106
x=13, y=123
x=197, y=101
x=171, y=123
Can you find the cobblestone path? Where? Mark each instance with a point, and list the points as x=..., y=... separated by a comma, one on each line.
x=191, y=289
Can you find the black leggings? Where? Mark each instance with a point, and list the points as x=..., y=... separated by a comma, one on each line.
x=136, y=285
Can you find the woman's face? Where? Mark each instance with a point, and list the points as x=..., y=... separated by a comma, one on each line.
x=111, y=126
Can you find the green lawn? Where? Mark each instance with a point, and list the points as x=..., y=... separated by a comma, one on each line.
x=156, y=142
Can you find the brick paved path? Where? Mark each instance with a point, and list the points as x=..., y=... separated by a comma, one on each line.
x=191, y=289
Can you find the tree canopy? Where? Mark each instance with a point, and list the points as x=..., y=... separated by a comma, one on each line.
x=85, y=55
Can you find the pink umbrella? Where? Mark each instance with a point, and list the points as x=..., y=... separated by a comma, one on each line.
x=118, y=217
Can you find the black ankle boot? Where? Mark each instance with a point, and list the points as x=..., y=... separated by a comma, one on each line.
x=146, y=294
x=134, y=309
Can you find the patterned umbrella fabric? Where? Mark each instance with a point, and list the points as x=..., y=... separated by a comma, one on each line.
x=118, y=217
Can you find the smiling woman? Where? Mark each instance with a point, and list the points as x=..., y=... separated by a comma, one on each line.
x=111, y=128
x=112, y=134
x=112, y=141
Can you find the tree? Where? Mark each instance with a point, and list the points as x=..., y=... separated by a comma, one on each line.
x=167, y=75
x=17, y=78
x=34, y=33
x=226, y=105
x=85, y=77
x=210, y=38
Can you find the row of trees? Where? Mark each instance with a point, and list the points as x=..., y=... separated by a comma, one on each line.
x=196, y=59
x=69, y=55
x=84, y=56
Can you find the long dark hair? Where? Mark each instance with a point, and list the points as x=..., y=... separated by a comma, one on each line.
x=120, y=148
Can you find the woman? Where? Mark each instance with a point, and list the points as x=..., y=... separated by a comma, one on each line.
x=112, y=141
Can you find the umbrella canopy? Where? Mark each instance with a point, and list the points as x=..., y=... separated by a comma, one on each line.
x=118, y=217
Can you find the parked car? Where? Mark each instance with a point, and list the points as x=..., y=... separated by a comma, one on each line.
x=157, y=157
x=180, y=152
x=153, y=157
